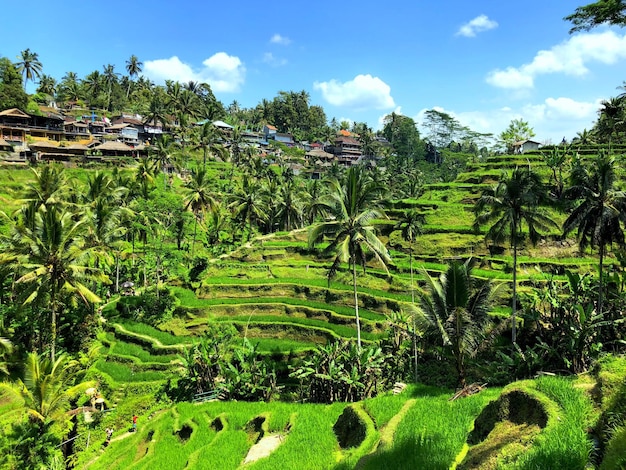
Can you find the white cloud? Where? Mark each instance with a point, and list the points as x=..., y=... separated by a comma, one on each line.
x=225, y=73
x=552, y=119
x=571, y=57
x=278, y=39
x=274, y=61
x=567, y=108
x=361, y=93
x=477, y=25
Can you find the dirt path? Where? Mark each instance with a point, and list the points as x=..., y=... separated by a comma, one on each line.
x=264, y=447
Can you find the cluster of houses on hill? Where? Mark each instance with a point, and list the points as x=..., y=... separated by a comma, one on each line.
x=53, y=136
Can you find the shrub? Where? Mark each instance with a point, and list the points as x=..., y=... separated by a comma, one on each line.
x=151, y=306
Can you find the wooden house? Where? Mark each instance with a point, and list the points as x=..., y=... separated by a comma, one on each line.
x=13, y=125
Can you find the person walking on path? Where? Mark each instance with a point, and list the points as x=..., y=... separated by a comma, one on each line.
x=109, y=432
x=134, y=429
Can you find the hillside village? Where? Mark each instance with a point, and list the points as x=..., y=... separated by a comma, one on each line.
x=56, y=136
x=186, y=284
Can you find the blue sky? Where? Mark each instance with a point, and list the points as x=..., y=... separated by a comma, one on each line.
x=484, y=62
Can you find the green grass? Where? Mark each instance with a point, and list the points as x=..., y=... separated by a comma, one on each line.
x=565, y=445
x=125, y=373
x=156, y=446
x=134, y=351
x=433, y=432
x=338, y=331
x=188, y=299
x=151, y=332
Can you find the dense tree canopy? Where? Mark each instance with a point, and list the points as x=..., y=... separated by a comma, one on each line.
x=584, y=18
x=12, y=95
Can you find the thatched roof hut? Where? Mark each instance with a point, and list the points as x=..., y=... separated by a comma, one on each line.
x=114, y=148
x=319, y=154
x=43, y=145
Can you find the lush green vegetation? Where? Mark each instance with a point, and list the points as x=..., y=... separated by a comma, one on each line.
x=230, y=302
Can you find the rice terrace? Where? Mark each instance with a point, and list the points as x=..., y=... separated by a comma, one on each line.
x=189, y=285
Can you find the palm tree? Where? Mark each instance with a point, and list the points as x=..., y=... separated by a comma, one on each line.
x=289, y=202
x=47, y=85
x=6, y=347
x=134, y=67
x=144, y=177
x=29, y=65
x=410, y=225
x=157, y=111
x=612, y=118
x=52, y=261
x=50, y=188
x=600, y=209
x=48, y=385
x=353, y=205
x=208, y=140
x=249, y=202
x=313, y=205
x=93, y=84
x=46, y=389
x=162, y=153
x=455, y=311
x=516, y=200
x=109, y=78
x=198, y=198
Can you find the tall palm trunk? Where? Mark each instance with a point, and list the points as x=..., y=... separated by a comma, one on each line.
x=195, y=226
x=53, y=324
x=514, y=301
x=601, y=286
x=413, y=301
x=356, y=306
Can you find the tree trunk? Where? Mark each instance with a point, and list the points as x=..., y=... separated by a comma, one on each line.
x=411, y=267
x=53, y=328
x=195, y=226
x=117, y=274
x=514, y=302
x=415, y=348
x=356, y=307
x=601, y=285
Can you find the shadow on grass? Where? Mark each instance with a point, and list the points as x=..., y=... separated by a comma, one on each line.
x=424, y=452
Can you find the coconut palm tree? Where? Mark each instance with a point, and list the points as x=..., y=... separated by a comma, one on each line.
x=94, y=85
x=157, y=111
x=353, y=205
x=48, y=385
x=289, y=202
x=50, y=188
x=410, y=225
x=455, y=311
x=208, y=139
x=29, y=65
x=612, y=118
x=144, y=177
x=47, y=85
x=163, y=153
x=198, y=198
x=600, y=209
x=46, y=388
x=6, y=347
x=109, y=79
x=249, y=202
x=52, y=262
x=516, y=200
x=134, y=67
